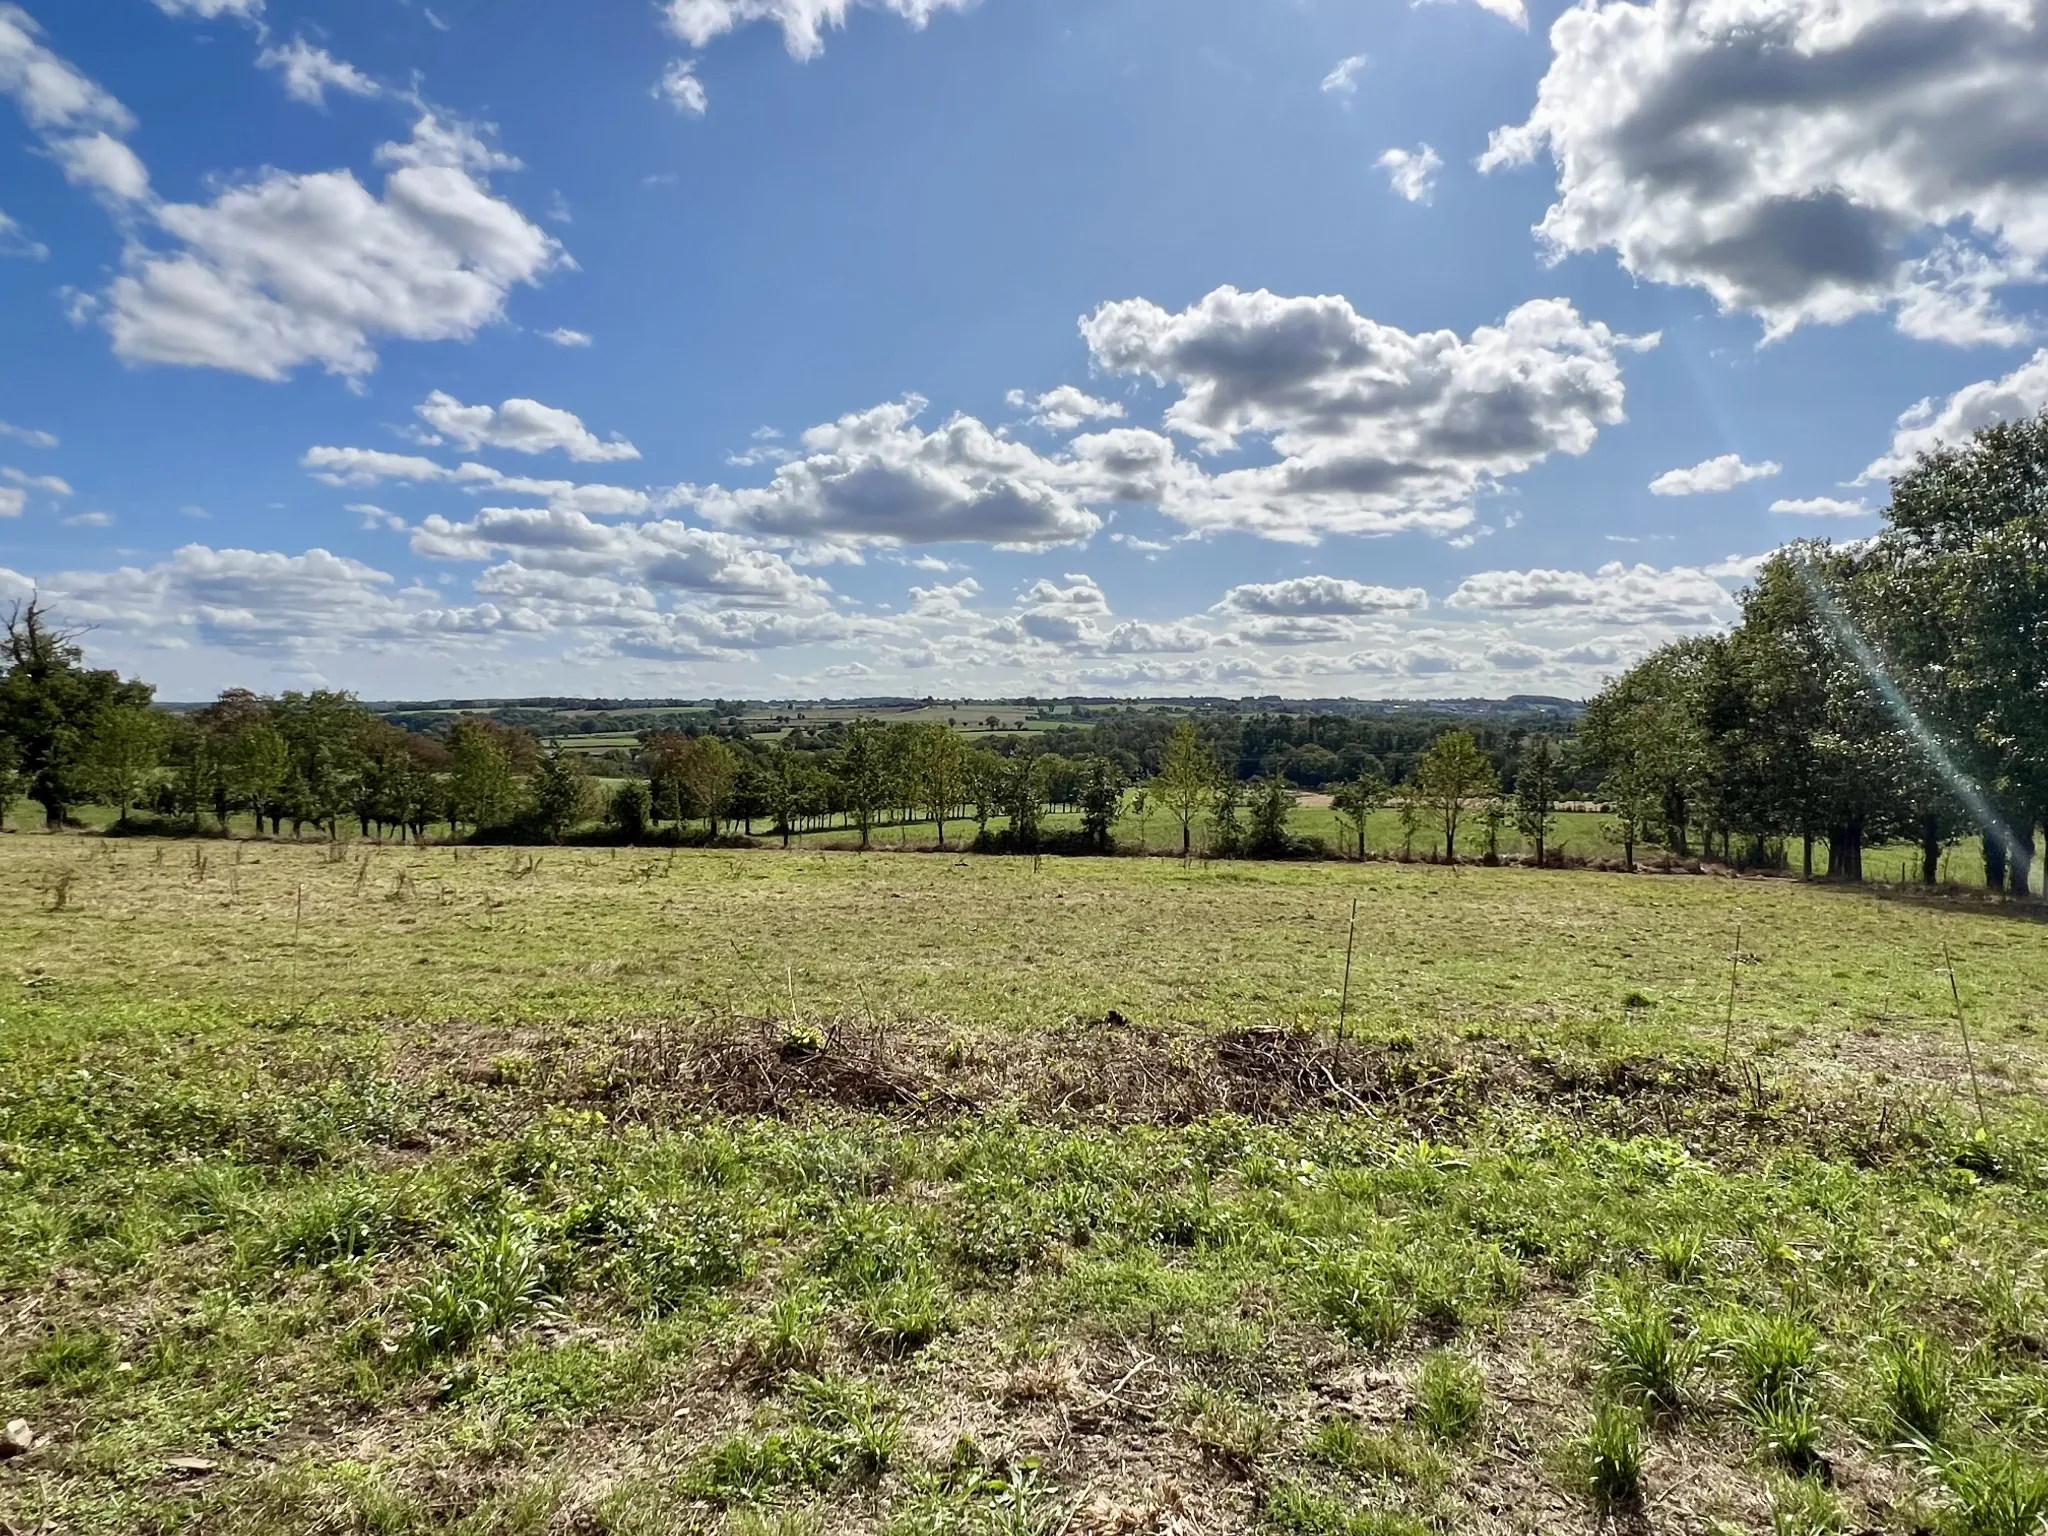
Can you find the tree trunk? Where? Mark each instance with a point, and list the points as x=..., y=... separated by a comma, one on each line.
x=1806, y=853
x=942, y=834
x=1930, y=850
x=1628, y=850
x=2022, y=864
x=1845, y=852
x=1994, y=862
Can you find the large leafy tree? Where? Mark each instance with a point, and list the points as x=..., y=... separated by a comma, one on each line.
x=1186, y=780
x=53, y=707
x=1453, y=773
x=1960, y=600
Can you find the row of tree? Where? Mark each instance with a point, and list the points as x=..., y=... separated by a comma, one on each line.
x=1891, y=690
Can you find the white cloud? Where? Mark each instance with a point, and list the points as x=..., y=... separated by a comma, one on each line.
x=562, y=336
x=1507, y=10
x=1820, y=506
x=1378, y=430
x=88, y=520
x=1322, y=596
x=50, y=483
x=522, y=426
x=1063, y=409
x=681, y=89
x=12, y=500
x=372, y=466
x=209, y=10
x=1616, y=593
x=79, y=121
x=28, y=435
x=1804, y=160
x=1343, y=80
x=15, y=242
x=660, y=555
x=1717, y=474
x=1412, y=171
x=102, y=162
x=1929, y=425
x=803, y=22
x=309, y=71
x=874, y=477
x=295, y=269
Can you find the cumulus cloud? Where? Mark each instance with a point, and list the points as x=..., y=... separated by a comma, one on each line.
x=1063, y=409
x=1804, y=160
x=803, y=22
x=681, y=89
x=562, y=336
x=1718, y=474
x=1321, y=596
x=309, y=72
x=1412, y=171
x=256, y=601
x=875, y=477
x=12, y=500
x=373, y=466
x=294, y=269
x=78, y=120
x=522, y=426
x=665, y=554
x=1933, y=424
x=1616, y=593
x=1820, y=506
x=1507, y=10
x=1378, y=430
x=1343, y=80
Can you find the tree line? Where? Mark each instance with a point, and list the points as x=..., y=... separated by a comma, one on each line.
x=1890, y=690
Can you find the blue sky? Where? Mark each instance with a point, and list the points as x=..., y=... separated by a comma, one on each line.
x=813, y=347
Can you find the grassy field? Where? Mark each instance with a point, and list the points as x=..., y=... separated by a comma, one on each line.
x=407, y=1190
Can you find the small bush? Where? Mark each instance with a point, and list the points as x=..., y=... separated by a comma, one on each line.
x=1788, y=1428
x=1450, y=1394
x=1774, y=1357
x=1681, y=1256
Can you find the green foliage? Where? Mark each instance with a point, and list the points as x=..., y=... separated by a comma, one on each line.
x=1450, y=1395
x=561, y=794
x=1452, y=773
x=1918, y=1382
x=496, y=1278
x=1993, y=1491
x=1613, y=1452
x=1643, y=1359
x=1303, y=1512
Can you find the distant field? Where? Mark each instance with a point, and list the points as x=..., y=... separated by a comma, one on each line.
x=392, y=1190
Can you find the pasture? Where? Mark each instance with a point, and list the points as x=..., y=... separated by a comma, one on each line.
x=402, y=1190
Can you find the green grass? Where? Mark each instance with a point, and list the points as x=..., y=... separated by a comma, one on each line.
x=580, y=1191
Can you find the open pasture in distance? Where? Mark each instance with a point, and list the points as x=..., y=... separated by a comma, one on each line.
x=530, y=1190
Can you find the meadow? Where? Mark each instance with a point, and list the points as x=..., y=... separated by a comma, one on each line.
x=397, y=1190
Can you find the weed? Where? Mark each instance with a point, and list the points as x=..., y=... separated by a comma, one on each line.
x=1788, y=1428
x=1450, y=1394
x=790, y=1336
x=1613, y=1452
x=1681, y=1256
x=1995, y=1492
x=1230, y=1429
x=1303, y=1512
x=71, y=1358
x=1918, y=1379
x=1803, y=1507
x=1643, y=1360
x=902, y=1315
x=1342, y=1442
x=497, y=1279
x=1773, y=1355
x=350, y=1221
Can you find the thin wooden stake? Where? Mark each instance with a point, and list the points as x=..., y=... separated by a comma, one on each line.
x=1344, y=999
x=1734, y=969
x=1969, y=1056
